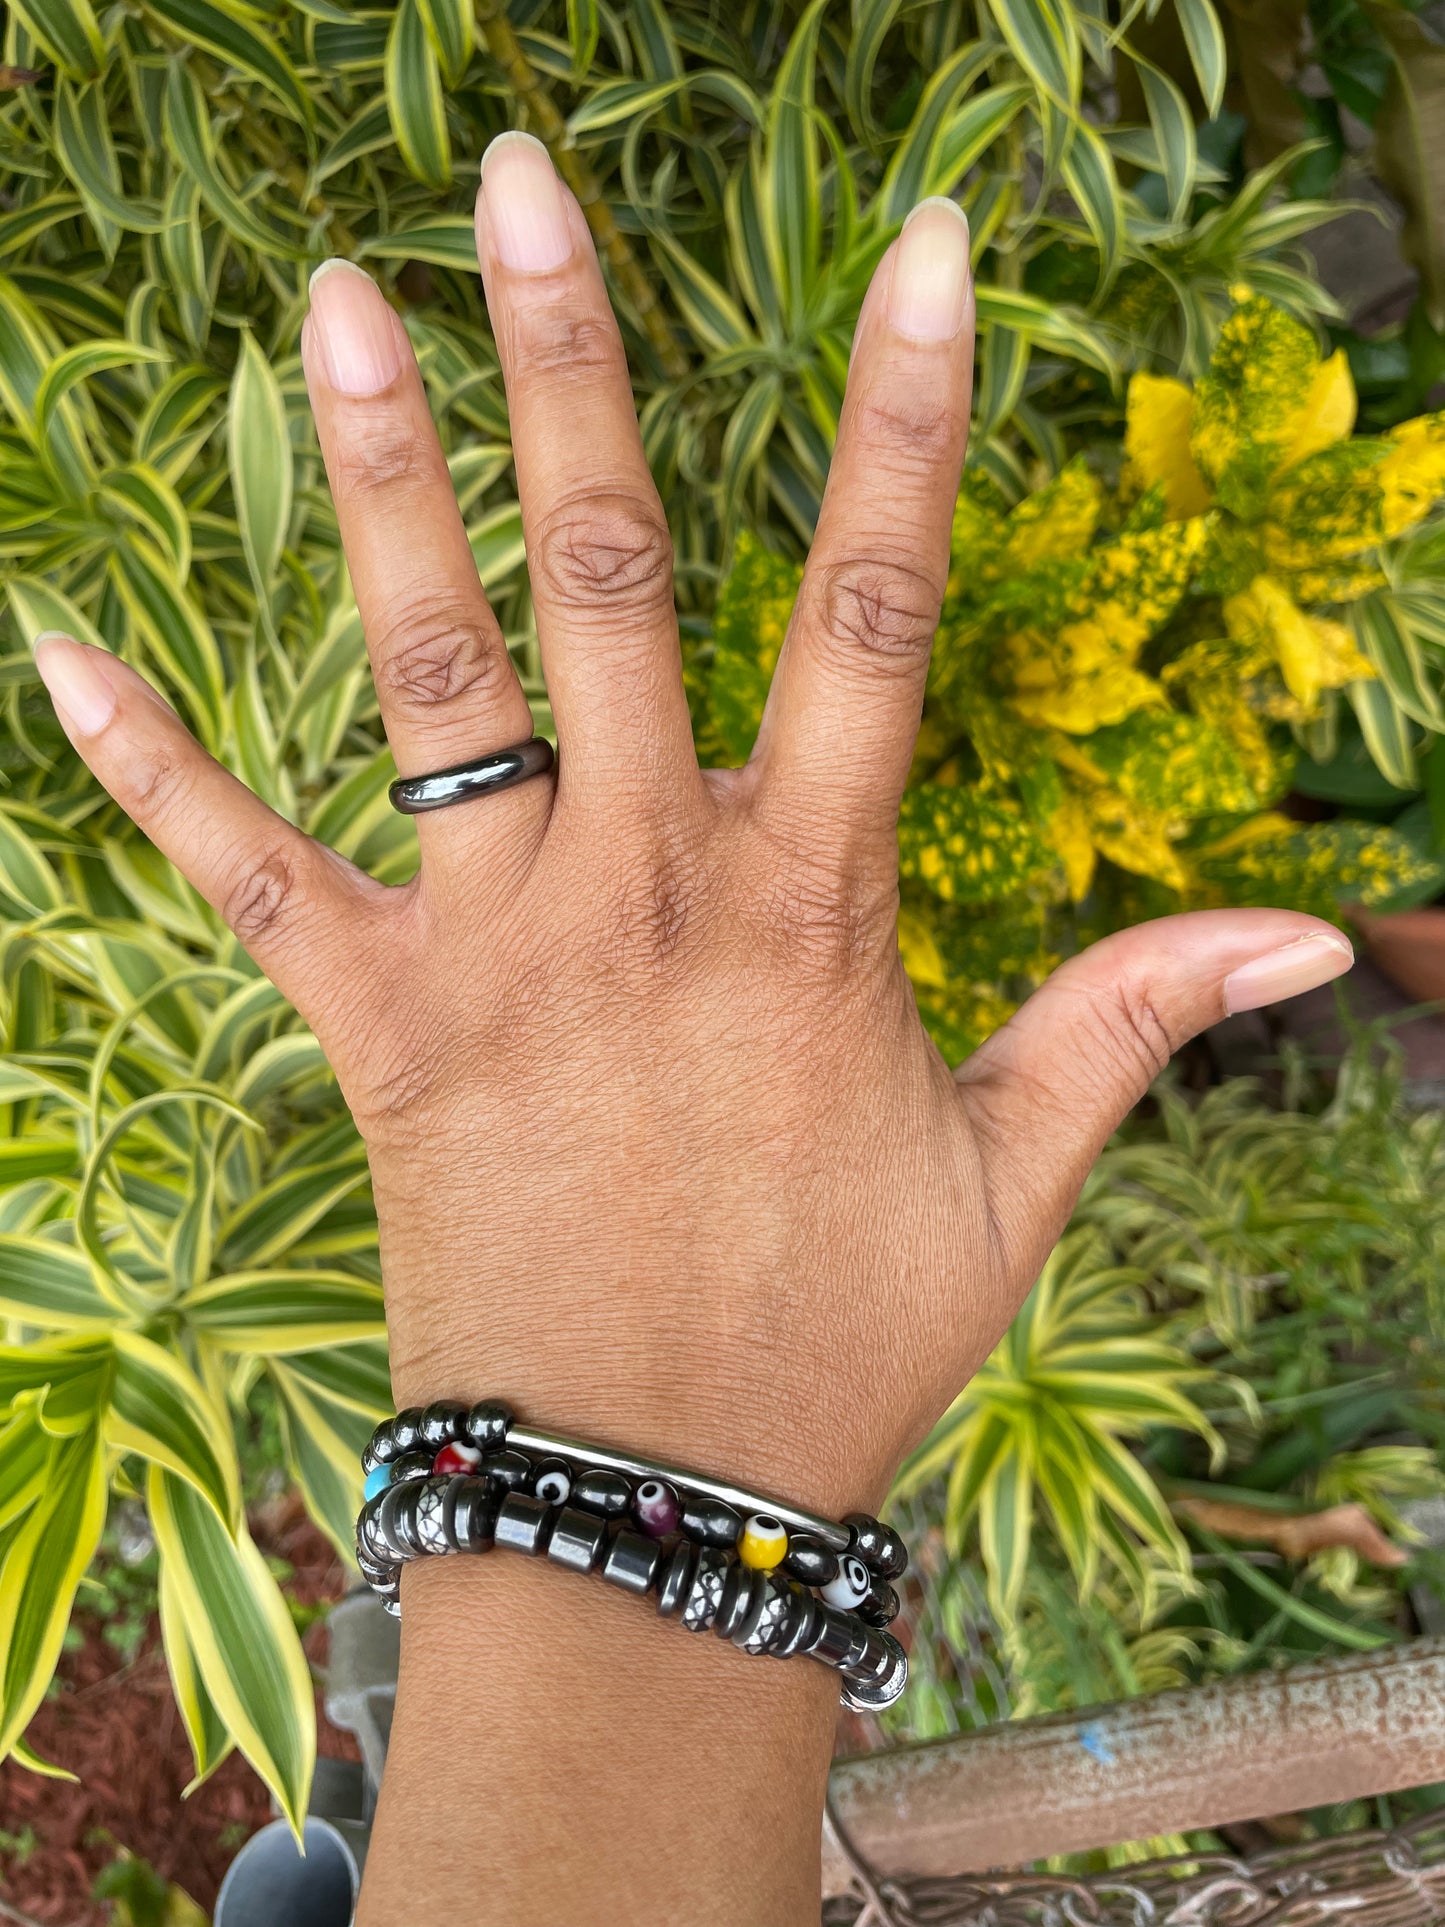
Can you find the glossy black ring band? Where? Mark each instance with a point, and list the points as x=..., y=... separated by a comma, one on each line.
x=415, y=795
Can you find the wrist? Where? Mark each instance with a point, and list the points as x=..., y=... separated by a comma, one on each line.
x=600, y=1756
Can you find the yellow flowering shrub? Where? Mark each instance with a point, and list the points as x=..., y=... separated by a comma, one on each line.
x=1126, y=660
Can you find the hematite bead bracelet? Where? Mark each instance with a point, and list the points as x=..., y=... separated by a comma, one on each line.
x=771, y=1578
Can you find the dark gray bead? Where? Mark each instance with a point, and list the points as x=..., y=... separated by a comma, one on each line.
x=839, y=1638
x=486, y=1425
x=699, y=1609
x=411, y=1465
x=370, y=1539
x=631, y=1561
x=522, y=1523
x=406, y=1430
x=709, y=1522
x=374, y=1571
x=396, y=1521
x=741, y=1595
x=802, y=1624
x=881, y=1607
x=380, y=1448
x=551, y=1479
x=810, y=1560
x=877, y=1545
x=442, y=1422
x=508, y=1471
x=605, y=1492
x=578, y=1540
x=675, y=1579
x=758, y=1602
x=391, y=1603
x=473, y=1514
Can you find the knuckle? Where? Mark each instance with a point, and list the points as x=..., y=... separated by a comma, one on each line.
x=428, y=659
x=158, y=786
x=913, y=436
x=393, y=454
x=826, y=929
x=1133, y=1034
x=606, y=552
x=264, y=898
x=880, y=610
x=574, y=347
x=654, y=912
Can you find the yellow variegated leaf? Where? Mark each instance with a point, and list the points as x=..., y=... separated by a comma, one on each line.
x=205, y=1729
x=1072, y=837
x=1328, y=411
x=1058, y=521
x=240, y=1633
x=1313, y=652
x=1158, y=415
x=1412, y=474
x=919, y=951
x=1081, y=704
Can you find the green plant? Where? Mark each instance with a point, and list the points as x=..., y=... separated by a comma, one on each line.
x=1043, y=1427
x=184, y=1216
x=1280, y=1262
x=1124, y=671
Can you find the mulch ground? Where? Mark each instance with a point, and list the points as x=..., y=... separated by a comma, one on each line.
x=115, y=1724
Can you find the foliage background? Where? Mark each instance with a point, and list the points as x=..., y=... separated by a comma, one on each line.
x=185, y=1224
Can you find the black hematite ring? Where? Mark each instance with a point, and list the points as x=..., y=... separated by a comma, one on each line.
x=414, y=795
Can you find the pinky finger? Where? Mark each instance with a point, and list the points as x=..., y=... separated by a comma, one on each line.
x=290, y=900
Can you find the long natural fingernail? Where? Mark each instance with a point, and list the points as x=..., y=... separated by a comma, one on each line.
x=931, y=272
x=354, y=329
x=1304, y=964
x=522, y=200
x=83, y=694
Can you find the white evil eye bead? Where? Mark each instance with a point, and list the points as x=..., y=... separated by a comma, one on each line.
x=763, y=1543
x=554, y=1486
x=850, y=1587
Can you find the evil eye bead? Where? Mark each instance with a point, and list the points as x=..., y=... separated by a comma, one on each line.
x=852, y=1584
x=552, y=1481
x=656, y=1508
x=377, y=1480
x=456, y=1457
x=763, y=1544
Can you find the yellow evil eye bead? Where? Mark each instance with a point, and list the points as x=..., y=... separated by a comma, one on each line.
x=764, y=1542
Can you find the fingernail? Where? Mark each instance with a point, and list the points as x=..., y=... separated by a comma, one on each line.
x=1304, y=964
x=931, y=272
x=522, y=200
x=354, y=329
x=83, y=694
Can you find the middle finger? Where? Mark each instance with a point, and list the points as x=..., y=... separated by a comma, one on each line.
x=598, y=548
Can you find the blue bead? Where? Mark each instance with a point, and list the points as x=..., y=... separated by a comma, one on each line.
x=377, y=1481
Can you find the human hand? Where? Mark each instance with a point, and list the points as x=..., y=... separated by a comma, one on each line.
x=661, y=1151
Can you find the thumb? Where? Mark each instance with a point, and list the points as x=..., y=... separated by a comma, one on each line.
x=1047, y=1090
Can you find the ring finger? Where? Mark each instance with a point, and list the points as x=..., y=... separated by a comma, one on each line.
x=446, y=684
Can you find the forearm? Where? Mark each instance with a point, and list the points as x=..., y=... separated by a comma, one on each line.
x=560, y=1755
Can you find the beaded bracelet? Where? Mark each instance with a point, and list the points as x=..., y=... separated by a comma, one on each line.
x=771, y=1578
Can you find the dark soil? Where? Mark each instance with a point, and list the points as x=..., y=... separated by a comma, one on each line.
x=115, y=1724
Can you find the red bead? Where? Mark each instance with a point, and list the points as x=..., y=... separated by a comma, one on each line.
x=456, y=1458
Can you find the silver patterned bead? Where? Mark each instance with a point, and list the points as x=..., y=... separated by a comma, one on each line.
x=700, y=1609
x=431, y=1516
x=770, y=1621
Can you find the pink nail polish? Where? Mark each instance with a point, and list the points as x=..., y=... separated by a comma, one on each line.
x=354, y=330
x=931, y=272
x=1302, y=965
x=523, y=205
x=83, y=695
